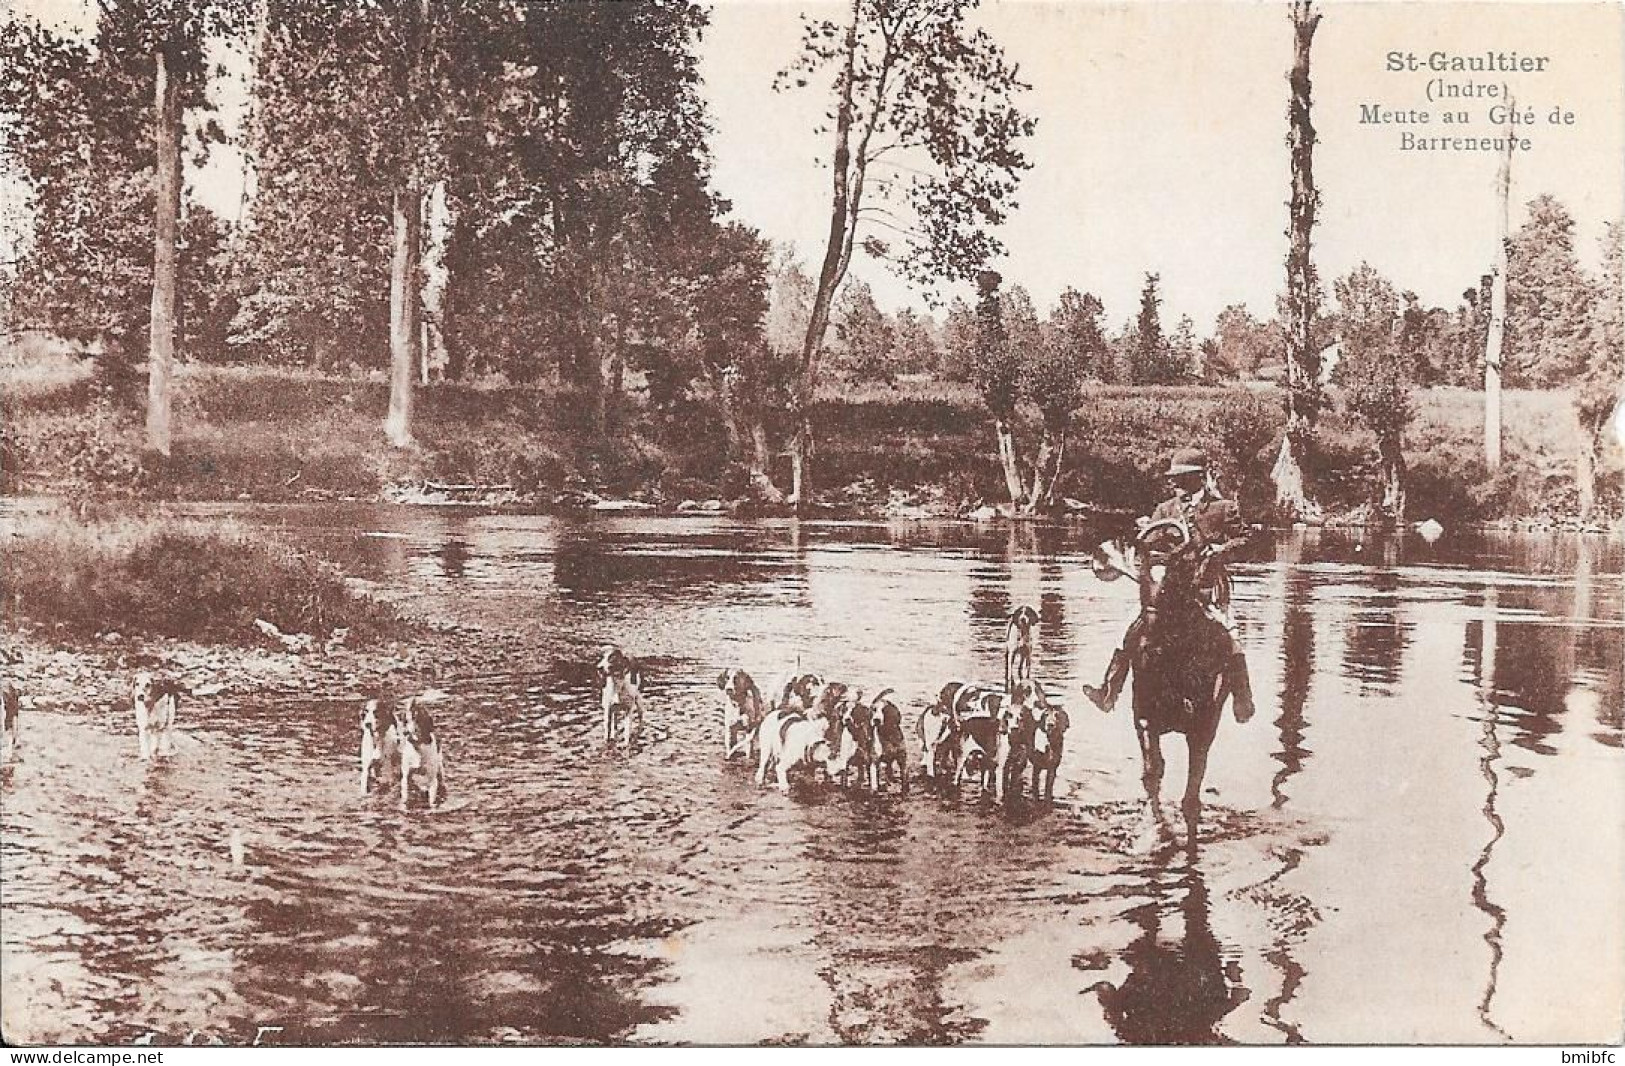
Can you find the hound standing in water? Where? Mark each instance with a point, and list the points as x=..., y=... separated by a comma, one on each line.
x=620, y=694
x=10, y=738
x=157, y=700
x=742, y=711
x=380, y=744
x=1018, y=646
x=422, y=764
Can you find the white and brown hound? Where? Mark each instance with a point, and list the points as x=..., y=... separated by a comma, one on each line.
x=987, y=746
x=870, y=738
x=1018, y=646
x=938, y=727
x=798, y=691
x=789, y=738
x=422, y=759
x=380, y=744
x=1049, y=742
x=742, y=711
x=620, y=694
x=157, y=702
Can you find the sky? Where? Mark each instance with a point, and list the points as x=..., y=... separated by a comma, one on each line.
x=1160, y=143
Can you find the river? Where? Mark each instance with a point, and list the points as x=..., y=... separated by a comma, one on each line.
x=1419, y=837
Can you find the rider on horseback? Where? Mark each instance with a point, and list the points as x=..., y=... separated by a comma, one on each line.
x=1216, y=528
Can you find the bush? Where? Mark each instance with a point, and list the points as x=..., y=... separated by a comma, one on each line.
x=175, y=578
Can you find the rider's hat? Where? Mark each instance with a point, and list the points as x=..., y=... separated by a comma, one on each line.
x=1186, y=461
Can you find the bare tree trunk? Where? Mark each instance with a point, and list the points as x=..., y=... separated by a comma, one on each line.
x=614, y=373
x=829, y=275
x=1498, y=319
x=1585, y=475
x=1009, y=461
x=425, y=350
x=1393, y=481
x=761, y=459
x=1302, y=356
x=462, y=263
x=849, y=167
x=166, y=221
x=405, y=304
x=1047, y=467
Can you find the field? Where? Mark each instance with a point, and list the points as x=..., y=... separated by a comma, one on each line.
x=267, y=434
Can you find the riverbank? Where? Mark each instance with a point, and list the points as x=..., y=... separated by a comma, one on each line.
x=924, y=449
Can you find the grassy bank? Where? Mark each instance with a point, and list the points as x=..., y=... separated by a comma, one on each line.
x=173, y=578
x=267, y=434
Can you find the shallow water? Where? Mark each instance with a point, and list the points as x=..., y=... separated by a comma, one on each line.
x=1418, y=838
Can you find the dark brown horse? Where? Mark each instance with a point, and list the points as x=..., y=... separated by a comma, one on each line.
x=1179, y=673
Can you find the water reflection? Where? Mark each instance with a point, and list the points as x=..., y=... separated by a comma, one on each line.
x=573, y=897
x=1181, y=982
x=1374, y=653
x=454, y=556
x=1487, y=765
x=1297, y=674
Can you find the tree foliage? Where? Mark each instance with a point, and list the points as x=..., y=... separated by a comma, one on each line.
x=1376, y=371
x=76, y=127
x=1548, y=300
x=925, y=153
x=1073, y=351
x=1153, y=359
x=866, y=341
x=1242, y=345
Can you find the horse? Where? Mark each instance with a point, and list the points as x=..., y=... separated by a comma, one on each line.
x=1179, y=683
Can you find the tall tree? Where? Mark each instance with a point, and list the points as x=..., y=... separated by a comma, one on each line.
x=1302, y=298
x=1495, y=334
x=865, y=336
x=923, y=103
x=407, y=40
x=731, y=303
x=959, y=341
x=1075, y=326
x=100, y=171
x=1151, y=363
x=995, y=370
x=173, y=32
x=1184, y=354
x=1017, y=359
x=314, y=257
x=1600, y=391
x=916, y=343
x=1072, y=351
x=1548, y=300
x=1376, y=373
x=1243, y=344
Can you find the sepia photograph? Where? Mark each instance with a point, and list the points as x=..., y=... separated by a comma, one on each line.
x=834, y=523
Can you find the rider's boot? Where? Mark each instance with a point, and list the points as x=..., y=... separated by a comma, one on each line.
x=1241, y=687
x=1105, y=697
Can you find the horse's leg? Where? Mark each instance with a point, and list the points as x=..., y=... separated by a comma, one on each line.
x=1151, y=757
x=1197, y=744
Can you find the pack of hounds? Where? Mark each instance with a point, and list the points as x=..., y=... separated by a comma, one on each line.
x=992, y=734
